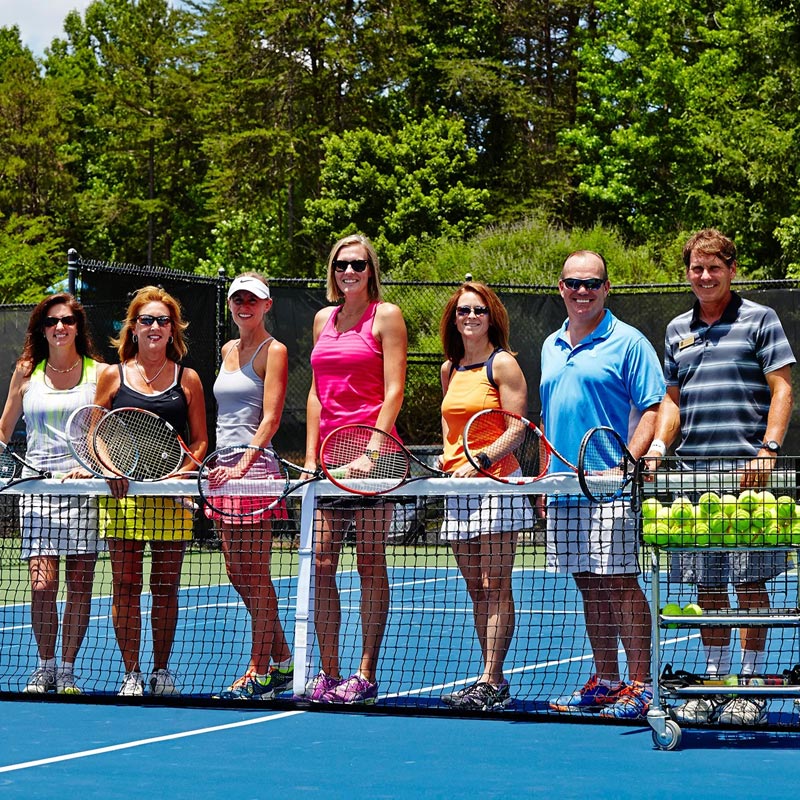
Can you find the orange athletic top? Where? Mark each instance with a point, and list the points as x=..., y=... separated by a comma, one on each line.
x=471, y=389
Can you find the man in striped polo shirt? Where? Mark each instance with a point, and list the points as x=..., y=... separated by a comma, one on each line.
x=727, y=366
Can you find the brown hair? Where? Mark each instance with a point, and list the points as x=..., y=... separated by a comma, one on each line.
x=35, y=347
x=710, y=240
x=452, y=343
x=333, y=293
x=176, y=347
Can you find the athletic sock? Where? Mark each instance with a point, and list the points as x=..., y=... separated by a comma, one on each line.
x=753, y=661
x=718, y=660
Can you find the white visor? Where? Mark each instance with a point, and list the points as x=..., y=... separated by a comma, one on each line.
x=247, y=283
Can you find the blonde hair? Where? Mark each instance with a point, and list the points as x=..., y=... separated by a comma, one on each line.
x=125, y=344
x=333, y=293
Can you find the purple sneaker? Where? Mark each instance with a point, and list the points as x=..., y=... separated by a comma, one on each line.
x=354, y=689
x=319, y=686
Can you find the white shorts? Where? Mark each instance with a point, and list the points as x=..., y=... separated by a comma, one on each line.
x=589, y=537
x=59, y=526
x=468, y=516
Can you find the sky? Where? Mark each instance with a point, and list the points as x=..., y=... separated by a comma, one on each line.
x=39, y=21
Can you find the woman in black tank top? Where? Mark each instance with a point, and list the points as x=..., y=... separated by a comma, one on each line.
x=150, y=346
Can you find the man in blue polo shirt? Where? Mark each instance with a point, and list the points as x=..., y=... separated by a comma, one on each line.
x=729, y=395
x=597, y=370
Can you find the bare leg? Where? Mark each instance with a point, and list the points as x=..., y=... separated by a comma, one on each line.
x=43, y=572
x=126, y=613
x=601, y=623
x=165, y=576
x=80, y=577
x=327, y=612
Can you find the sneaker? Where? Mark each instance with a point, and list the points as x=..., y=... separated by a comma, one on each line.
x=281, y=680
x=162, y=682
x=354, y=689
x=249, y=687
x=319, y=686
x=132, y=685
x=743, y=711
x=592, y=696
x=480, y=697
x=41, y=681
x=65, y=683
x=699, y=711
x=632, y=702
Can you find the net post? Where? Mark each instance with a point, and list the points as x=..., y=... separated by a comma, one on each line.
x=72, y=270
x=304, y=609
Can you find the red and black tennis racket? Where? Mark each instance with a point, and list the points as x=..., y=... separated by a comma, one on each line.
x=368, y=461
x=244, y=481
x=508, y=447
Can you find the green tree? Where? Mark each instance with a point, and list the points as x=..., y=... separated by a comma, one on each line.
x=401, y=190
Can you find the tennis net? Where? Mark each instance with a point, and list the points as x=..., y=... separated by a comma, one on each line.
x=429, y=647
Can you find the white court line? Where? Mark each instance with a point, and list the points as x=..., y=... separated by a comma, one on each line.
x=140, y=742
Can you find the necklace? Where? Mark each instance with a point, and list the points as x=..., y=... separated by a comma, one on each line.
x=64, y=371
x=147, y=380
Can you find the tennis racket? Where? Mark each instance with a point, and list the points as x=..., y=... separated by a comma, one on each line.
x=137, y=444
x=11, y=466
x=79, y=435
x=606, y=468
x=245, y=481
x=507, y=447
x=368, y=461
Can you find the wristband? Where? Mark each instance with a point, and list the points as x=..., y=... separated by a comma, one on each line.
x=659, y=446
x=483, y=460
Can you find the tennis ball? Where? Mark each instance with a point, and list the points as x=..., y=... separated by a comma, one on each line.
x=754, y=539
x=709, y=504
x=794, y=533
x=682, y=509
x=730, y=538
x=671, y=610
x=740, y=521
x=772, y=535
x=650, y=508
x=729, y=504
x=786, y=507
x=731, y=680
x=701, y=534
x=767, y=498
x=762, y=516
x=692, y=610
x=661, y=534
x=749, y=499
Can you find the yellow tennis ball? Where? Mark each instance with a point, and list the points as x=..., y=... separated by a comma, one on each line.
x=692, y=610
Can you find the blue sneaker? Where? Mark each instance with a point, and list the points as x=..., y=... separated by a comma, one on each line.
x=280, y=680
x=633, y=702
x=592, y=696
x=249, y=687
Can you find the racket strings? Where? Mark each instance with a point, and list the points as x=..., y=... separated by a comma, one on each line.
x=604, y=461
x=138, y=446
x=80, y=435
x=510, y=444
x=346, y=454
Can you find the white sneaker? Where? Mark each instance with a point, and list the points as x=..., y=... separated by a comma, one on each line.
x=743, y=711
x=41, y=681
x=162, y=682
x=132, y=685
x=65, y=683
x=701, y=710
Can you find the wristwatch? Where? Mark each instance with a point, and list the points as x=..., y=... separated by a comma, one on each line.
x=483, y=460
x=772, y=446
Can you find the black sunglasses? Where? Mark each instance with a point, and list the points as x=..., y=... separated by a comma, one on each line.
x=51, y=322
x=149, y=319
x=593, y=284
x=479, y=311
x=358, y=264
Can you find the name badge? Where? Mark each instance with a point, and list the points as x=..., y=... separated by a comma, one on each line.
x=687, y=342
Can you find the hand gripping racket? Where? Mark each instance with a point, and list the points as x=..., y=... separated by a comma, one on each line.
x=245, y=481
x=368, y=461
x=507, y=447
x=606, y=468
x=140, y=445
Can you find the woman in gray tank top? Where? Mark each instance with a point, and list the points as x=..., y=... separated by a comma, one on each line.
x=250, y=391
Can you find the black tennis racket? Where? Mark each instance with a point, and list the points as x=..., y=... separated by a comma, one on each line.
x=244, y=481
x=11, y=467
x=508, y=447
x=368, y=461
x=137, y=444
x=606, y=469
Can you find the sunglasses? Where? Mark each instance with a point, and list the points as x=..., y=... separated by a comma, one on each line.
x=149, y=319
x=358, y=264
x=51, y=322
x=478, y=311
x=592, y=284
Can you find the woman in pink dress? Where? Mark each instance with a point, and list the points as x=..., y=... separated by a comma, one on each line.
x=359, y=369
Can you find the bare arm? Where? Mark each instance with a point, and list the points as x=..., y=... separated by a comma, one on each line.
x=13, y=407
x=643, y=434
x=313, y=406
x=196, y=402
x=389, y=329
x=668, y=422
x=276, y=378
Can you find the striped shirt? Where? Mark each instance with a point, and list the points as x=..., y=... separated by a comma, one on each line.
x=720, y=372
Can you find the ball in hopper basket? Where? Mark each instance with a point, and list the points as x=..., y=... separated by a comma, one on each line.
x=671, y=610
x=682, y=510
x=692, y=610
x=730, y=502
x=709, y=504
x=786, y=507
x=650, y=508
x=749, y=499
